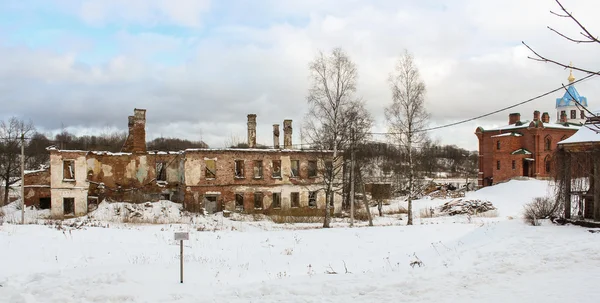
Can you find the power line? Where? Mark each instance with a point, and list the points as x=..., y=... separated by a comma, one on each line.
x=496, y=111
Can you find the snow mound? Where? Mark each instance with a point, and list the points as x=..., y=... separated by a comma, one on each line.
x=11, y=213
x=150, y=212
x=510, y=197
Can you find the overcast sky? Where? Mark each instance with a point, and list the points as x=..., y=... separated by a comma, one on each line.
x=200, y=66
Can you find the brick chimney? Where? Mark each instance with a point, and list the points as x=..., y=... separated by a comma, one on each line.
x=563, y=117
x=287, y=134
x=536, y=115
x=251, y=130
x=545, y=118
x=514, y=118
x=136, y=138
x=139, y=131
x=276, y=136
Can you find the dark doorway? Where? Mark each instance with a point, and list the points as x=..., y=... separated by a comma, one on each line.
x=525, y=168
x=210, y=204
x=45, y=203
x=69, y=206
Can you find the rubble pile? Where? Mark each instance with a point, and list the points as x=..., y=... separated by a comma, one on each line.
x=443, y=191
x=463, y=207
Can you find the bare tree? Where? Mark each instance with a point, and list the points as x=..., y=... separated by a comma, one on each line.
x=587, y=37
x=10, y=143
x=406, y=116
x=330, y=99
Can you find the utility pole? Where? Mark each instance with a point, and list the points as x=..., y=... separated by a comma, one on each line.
x=352, y=181
x=22, y=178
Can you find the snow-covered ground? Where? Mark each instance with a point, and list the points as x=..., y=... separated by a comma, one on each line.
x=479, y=259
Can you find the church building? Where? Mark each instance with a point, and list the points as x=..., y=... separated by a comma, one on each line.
x=523, y=147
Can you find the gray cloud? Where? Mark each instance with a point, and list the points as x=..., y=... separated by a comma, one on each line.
x=469, y=54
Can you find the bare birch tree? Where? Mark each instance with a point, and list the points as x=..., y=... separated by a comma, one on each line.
x=407, y=117
x=330, y=97
x=10, y=152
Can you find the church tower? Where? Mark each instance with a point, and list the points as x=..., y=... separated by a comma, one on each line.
x=570, y=108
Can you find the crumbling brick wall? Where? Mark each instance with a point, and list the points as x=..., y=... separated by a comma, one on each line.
x=37, y=186
x=226, y=185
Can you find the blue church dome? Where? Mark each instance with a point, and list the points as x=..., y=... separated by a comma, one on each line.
x=570, y=94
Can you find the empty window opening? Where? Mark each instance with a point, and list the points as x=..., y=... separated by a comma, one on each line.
x=514, y=164
x=312, y=169
x=276, y=169
x=498, y=165
x=69, y=169
x=547, y=166
x=312, y=199
x=165, y=196
x=276, y=200
x=161, y=171
x=258, y=169
x=210, y=172
x=547, y=144
x=69, y=206
x=239, y=202
x=45, y=203
x=295, y=168
x=573, y=114
x=258, y=200
x=239, y=168
x=295, y=199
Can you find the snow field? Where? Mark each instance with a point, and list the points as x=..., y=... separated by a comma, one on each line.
x=478, y=260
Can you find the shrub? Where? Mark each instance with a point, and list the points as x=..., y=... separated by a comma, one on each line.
x=397, y=211
x=361, y=215
x=426, y=213
x=539, y=208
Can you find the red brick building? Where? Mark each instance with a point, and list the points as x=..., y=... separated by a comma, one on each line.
x=525, y=147
x=521, y=148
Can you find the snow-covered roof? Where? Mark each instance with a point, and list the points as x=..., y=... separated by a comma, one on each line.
x=106, y=153
x=525, y=124
x=521, y=151
x=270, y=150
x=508, y=134
x=585, y=134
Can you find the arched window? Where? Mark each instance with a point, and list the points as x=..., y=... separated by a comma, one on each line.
x=573, y=114
x=498, y=144
x=547, y=143
x=548, y=164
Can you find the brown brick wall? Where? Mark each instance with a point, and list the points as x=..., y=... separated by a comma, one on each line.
x=37, y=186
x=532, y=139
x=227, y=185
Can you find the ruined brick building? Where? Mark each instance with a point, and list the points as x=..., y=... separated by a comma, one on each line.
x=264, y=180
x=525, y=147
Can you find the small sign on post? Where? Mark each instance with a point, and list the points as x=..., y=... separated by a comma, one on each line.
x=181, y=236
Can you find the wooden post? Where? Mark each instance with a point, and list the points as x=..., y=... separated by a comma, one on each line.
x=567, y=184
x=352, y=182
x=22, y=178
x=596, y=189
x=181, y=259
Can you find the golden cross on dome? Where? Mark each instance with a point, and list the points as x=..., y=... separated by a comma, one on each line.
x=571, y=77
